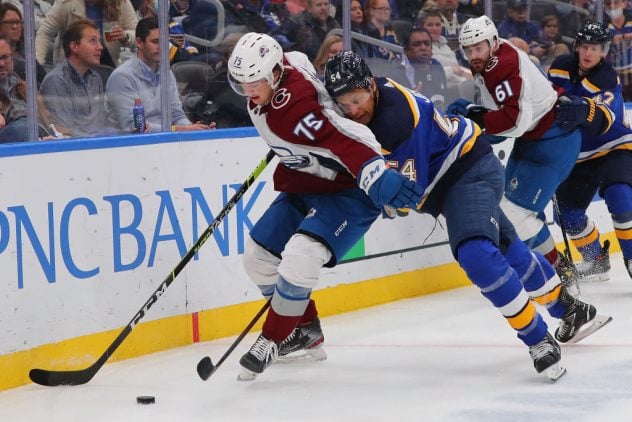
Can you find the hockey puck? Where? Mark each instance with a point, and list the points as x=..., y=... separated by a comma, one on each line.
x=145, y=399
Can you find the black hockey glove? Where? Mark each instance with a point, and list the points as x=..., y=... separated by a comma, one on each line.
x=575, y=111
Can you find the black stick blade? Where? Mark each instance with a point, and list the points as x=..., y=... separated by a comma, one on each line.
x=205, y=368
x=55, y=378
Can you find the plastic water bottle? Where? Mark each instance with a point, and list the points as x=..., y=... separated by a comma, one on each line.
x=139, y=116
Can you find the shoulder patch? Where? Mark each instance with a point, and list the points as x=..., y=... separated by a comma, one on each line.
x=493, y=61
x=280, y=98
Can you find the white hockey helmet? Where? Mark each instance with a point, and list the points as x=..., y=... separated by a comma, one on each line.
x=475, y=30
x=254, y=58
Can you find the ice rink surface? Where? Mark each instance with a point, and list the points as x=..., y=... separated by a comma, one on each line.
x=443, y=357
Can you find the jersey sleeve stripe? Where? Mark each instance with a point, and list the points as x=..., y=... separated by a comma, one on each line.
x=559, y=73
x=589, y=86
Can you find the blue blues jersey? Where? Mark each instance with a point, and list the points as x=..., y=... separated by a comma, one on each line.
x=602, y=85
x=423, y=144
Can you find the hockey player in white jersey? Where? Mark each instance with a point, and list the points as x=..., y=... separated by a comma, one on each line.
x=518, y=101
x=333, y=182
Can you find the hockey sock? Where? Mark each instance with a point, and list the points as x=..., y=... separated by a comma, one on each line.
x=311, y=313
x=582, y=232
x=288, y=305
x=619, y=200
x=552, y=257
x=488, y=269
x=537, y=276
x=542, y=242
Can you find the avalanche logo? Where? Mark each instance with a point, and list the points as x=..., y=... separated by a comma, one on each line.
x=263, y=50
x=513, y=184
x=493, y=61
x=280, y=98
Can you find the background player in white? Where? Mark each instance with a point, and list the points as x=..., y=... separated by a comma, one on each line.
x=519, y=102
x=321, y=212
x=605, y=160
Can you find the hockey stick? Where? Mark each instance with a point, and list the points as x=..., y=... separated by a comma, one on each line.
x=82, y=376
x=205, y=367
x=567, y=250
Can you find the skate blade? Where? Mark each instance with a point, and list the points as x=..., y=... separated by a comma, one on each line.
x=246, y=375
x=317, y=353
x=590, y=327
x=555, y=372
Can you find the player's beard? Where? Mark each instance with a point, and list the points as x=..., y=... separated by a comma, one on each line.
x=477, y=66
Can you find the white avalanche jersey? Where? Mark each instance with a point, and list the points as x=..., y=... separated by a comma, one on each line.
x=519, y=94
x=320, y=151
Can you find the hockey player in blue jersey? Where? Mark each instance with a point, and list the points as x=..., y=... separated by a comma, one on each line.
x=462, y=179
x=604, y=164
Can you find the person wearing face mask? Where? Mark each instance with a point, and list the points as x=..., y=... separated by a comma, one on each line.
x=620, y=24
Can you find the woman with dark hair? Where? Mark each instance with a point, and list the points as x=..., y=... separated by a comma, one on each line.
x=116, y=20
x=12, y=28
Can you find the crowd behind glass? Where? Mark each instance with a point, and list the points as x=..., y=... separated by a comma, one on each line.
x=93, y=60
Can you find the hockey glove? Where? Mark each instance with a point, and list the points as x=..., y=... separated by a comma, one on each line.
x=467, y=109
x=575, y=111
x=385, y=186
x=459, y=107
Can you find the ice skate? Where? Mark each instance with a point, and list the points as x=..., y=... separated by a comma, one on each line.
x=261, y=355
x=579, y=321
x=596, y=269
x=308, y=338
x=568, y=274
x=546, y=357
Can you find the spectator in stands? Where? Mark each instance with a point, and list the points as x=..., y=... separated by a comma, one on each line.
x=73, y=91
x=180, y=49
x=13, y=122
x=12, y=27
x=419, y=71
x=517, y=24
x=361, y=26
x=620, y=55
x=40, y=8
x=573, y=16
x=456, y=75
x=378, y=12
x=331, y=46
x=451, y=20
x=139, y=78
x=308, y=29
x=116, y=15
x=296, y=7
x=231, y=108
x=549, y=43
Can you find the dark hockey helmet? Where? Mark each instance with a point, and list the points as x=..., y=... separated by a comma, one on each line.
x=594, y=33
x=345, y=72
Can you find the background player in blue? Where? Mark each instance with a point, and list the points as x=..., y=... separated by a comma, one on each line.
x=605, y=160
x=333, y=181
x=518, y=101
x=462, y=179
